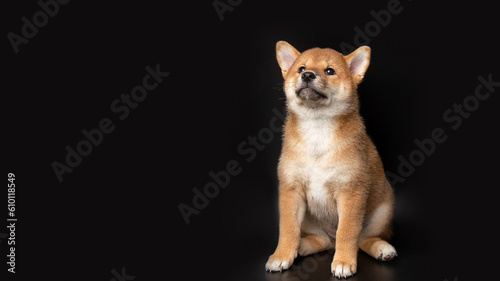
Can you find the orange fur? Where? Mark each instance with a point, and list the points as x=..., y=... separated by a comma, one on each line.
x=331, y=176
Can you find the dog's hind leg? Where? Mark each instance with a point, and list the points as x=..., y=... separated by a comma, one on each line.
x=313, y=238
x=376, y=230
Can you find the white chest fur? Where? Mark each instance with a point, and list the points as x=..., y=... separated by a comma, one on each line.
x=320, y=168
x=317, y=136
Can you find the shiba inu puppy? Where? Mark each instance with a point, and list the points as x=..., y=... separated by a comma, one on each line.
x=333, y=192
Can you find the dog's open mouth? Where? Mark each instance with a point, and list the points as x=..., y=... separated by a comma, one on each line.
x=310, y=94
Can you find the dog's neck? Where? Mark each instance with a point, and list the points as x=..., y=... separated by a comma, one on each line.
x=322, y=115
x=325, y=127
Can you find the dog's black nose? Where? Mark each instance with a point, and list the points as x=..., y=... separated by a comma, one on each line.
x=308, y=76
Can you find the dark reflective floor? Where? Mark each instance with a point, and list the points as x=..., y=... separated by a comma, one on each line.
x=317, y=267
x=419, y=256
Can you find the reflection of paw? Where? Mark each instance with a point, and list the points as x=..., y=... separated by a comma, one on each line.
x=279, y=262
x=343, y=269
x=386, y=252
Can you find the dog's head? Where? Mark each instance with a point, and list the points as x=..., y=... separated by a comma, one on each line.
x=321, y=81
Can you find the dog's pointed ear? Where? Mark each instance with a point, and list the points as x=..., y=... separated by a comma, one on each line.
x=286, y=55
x=358, y=62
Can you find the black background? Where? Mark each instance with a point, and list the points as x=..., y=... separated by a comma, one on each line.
x=119, y=207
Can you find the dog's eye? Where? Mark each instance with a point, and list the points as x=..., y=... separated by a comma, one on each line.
x=329, y=71
x=302, y=68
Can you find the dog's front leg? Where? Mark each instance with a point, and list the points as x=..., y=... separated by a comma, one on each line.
x=292, y=209
x=351, y=210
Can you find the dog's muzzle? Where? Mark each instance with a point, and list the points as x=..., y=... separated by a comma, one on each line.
x=310, y=94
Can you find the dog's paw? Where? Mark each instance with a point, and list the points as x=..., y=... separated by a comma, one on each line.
x=386, y=252
x=343, y=269
x=279, y=262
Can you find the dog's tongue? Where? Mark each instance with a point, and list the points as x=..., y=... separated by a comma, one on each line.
x=308, y=94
